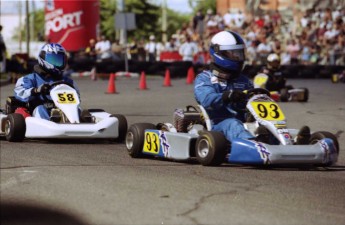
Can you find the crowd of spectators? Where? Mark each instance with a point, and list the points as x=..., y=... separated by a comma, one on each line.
x=313, y=36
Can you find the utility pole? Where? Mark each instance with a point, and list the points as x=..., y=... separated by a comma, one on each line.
x=164, y=21
x=20, y=25
x=123, y=33
x=27, y=26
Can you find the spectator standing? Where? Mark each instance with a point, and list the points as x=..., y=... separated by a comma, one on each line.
x=2, y=53
x=198, y=23
x=293, y=49
x=151, y=49
x=90, y=50
x=141, y=50
x=134, y=50
x=263, y=50
x=103, y=48
x=171, y=46
x=188, y=49
x=117, y=50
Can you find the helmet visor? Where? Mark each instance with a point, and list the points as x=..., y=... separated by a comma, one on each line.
x=57, y=60
x=275, y=64
x=234, y=55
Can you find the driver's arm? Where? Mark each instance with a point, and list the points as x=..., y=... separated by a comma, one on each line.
x=205, y=94
x=23, y=88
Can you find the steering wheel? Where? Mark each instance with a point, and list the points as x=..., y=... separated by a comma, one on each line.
x=256, y=91
x=55, y=84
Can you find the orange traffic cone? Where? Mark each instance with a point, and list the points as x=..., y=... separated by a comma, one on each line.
x=142, y=84
x=111, y=85
x=190, y=76
x=167, y=81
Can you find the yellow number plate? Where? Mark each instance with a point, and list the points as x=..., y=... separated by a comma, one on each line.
x=268, y=110
x=260, y=80
x=151, y=143
x=66, y=98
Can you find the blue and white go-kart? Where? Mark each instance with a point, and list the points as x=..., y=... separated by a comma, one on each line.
x=67, y=121
x=191, y=137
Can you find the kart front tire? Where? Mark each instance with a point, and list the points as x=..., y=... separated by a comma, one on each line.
x=122, y=127
x=211, y=148
x=315, y=137
x=15, y=127
x=284, y=95
x=135, y=138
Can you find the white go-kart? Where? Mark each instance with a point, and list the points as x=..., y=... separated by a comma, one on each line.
x=67, y=120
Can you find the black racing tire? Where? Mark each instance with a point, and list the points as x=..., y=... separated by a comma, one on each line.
x=96, y=110
x=123, y=125
x=135, y=138
x=15, y=127
x=211, y=148
x=284, y=95
x=316, y=136
x=306, y=95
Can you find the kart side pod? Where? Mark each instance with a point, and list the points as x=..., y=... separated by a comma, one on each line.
x=251, y=152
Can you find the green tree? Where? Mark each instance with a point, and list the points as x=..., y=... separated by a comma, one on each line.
x=146, y=16
x=107, y=11
x=204, y=5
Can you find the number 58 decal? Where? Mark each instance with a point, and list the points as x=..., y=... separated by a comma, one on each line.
x=268, y=110
x=66, y=98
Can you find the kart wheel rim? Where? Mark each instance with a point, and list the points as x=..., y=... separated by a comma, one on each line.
x=203, y=148
x=7, y=127
x=129, y=140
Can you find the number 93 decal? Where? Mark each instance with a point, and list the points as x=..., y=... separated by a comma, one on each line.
x=268, y=110
x=152, y=143
x=66, y=98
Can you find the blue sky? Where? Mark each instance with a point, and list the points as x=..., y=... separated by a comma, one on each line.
x=11, y=6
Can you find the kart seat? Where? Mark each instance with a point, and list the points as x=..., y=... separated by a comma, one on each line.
x=185, y=118
x=12, y=104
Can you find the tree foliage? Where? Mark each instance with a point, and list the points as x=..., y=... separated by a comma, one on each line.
x=203, y=5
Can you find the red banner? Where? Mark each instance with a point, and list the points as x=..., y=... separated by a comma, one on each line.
x=71, y=23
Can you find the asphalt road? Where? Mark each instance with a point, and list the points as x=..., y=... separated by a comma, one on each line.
x=88, y=182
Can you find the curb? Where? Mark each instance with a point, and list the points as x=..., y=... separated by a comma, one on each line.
x=117, y=74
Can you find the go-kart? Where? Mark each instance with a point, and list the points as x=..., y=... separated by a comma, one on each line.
x=67, y=120
x=286, y=94
x=190, y=136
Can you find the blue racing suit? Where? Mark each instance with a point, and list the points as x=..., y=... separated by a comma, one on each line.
x=208, y=91
x=23, y=91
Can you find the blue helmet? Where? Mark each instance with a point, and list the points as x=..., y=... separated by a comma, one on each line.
x=53, y=59
x=227, y=52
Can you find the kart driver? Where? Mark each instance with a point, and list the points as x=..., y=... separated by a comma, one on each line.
x=276, y=81
x=220, y=89
x=52, y=60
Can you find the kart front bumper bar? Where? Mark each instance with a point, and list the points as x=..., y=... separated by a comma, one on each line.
x=38, y=128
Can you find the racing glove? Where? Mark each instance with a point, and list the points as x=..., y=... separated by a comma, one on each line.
x=42, y=89
x=233, y=96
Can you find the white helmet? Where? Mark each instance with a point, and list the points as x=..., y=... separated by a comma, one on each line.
x=227, y=53
x=273, y=61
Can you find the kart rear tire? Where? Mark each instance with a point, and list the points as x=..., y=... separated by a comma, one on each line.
x=15, y=127
x=122, y=127
x=306, y=95
x=315, y=137
x=211, y=148
x=135, y=138
x=284, y=95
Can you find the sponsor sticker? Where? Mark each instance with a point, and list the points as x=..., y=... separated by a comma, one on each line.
x=264, y=153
